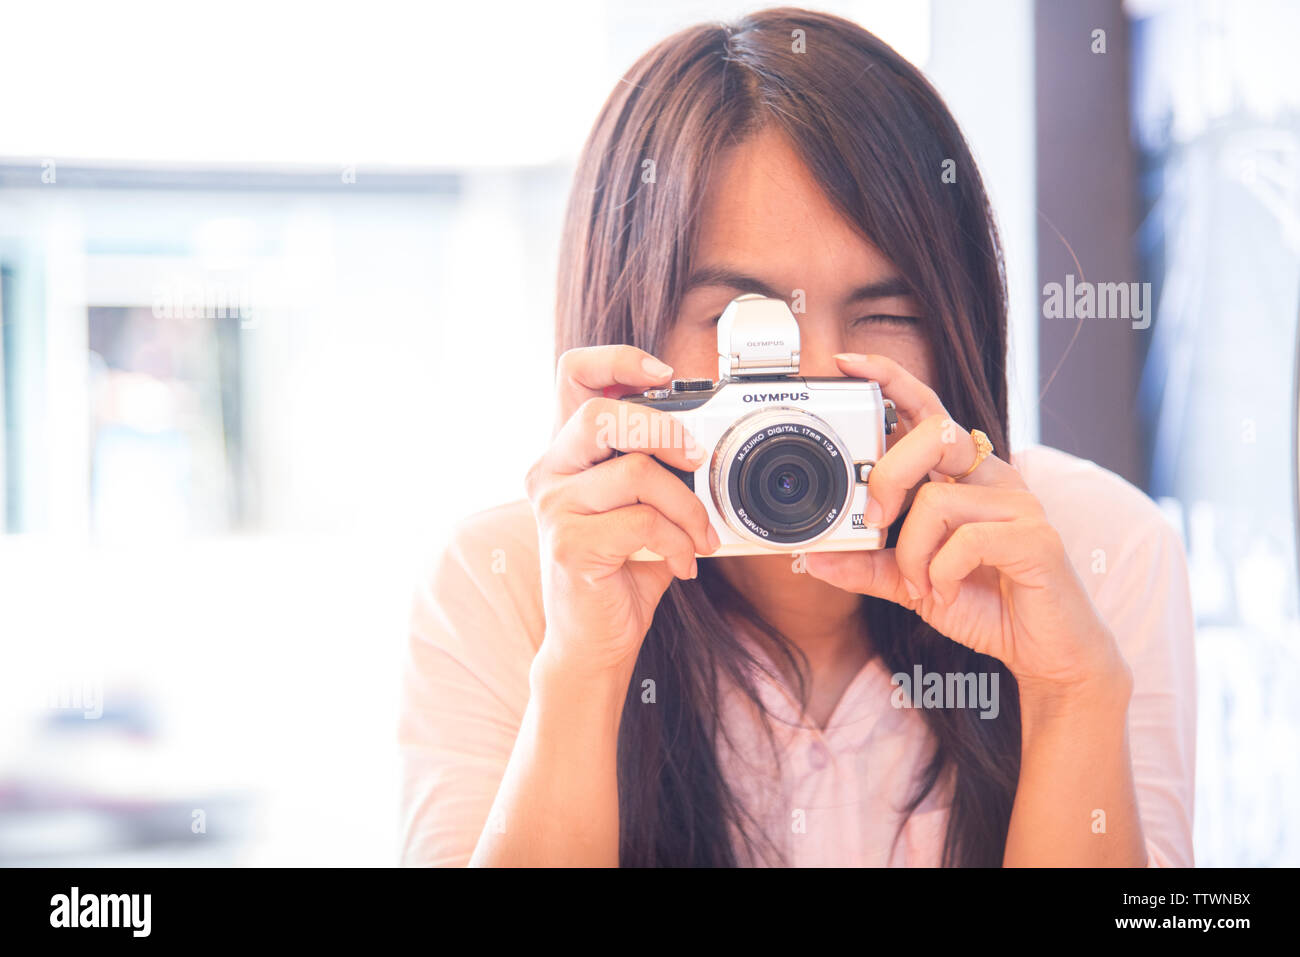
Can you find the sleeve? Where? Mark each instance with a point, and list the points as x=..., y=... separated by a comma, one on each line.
x=1146, y=600
x=463, y=695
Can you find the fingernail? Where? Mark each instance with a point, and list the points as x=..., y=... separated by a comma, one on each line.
x=695, y=452
x=714, y=541
x=653, y=367
x=912, y=591
x=695, y=568
x=850, y=356
x=875, y=513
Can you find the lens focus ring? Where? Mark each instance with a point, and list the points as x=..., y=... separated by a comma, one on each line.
x=781, y=477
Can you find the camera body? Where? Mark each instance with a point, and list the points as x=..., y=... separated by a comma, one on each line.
x=788, y=455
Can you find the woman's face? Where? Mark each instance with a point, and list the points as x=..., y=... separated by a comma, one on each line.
x=768, y=228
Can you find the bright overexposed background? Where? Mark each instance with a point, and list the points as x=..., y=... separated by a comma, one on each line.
x=214, y=523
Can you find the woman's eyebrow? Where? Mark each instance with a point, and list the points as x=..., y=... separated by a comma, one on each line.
x=722, y=276
x=880, y=289
x=741, y=282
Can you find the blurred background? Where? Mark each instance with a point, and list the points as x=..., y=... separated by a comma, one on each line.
x=250, y=252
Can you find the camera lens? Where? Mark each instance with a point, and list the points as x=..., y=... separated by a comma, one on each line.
x=789, y=482
x=786, y=481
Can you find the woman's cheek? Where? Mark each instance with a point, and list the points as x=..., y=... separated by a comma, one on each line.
x=692, y=351
x=905, y=345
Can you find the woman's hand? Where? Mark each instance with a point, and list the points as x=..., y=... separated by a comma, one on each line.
x=594, y=509
x=976, y=559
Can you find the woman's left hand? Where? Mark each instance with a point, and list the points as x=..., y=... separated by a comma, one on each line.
x=976, y=559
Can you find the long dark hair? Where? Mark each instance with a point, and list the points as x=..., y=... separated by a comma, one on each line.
x=878, y=138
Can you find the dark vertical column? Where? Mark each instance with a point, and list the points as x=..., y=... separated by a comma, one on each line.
x=1087, y=202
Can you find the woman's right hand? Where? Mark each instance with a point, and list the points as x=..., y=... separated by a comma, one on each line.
x=594, y=509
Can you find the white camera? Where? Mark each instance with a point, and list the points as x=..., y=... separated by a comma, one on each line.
x=789, y=455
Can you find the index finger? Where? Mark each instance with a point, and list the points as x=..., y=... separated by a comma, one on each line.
x=600, y=427
x=585, y=373
x=914, y=400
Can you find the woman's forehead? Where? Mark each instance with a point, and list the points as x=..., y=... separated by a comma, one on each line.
x=765, y=214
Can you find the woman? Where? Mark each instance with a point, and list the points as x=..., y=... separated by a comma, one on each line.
x=566, y=706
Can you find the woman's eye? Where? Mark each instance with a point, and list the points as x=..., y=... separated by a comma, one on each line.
x=873, y=317
x=885, y=317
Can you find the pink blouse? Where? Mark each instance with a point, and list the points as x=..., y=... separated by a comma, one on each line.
x=835, y=796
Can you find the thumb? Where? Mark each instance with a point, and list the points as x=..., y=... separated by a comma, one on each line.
x=872, y=573
x=651, y=580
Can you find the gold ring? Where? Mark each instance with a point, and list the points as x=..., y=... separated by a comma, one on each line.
x=983, y=449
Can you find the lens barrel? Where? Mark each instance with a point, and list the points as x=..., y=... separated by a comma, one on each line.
x=782, y=477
